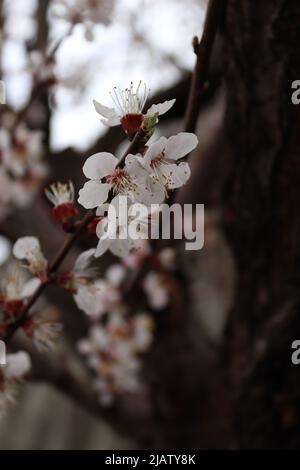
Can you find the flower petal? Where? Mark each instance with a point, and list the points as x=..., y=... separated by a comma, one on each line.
x=135, y=168
x=180, y=145
x=99, y=165
x=24, y=247
x=160, y=108
x=104, y=111
x=153, y=151
x=111, y=122
x=84, y=260
x=178, y=175
x=93, y=194
x=18, y=364
x=120, y=247
x=30, y=287
x=102, y=247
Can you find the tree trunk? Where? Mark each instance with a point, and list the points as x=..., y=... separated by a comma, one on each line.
x=261, y=218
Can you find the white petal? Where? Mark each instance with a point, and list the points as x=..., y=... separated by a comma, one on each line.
x=84, y=346
x=115, y=274
x=153, y=151
x=24, y=247
x=85, y=300
x=93, y=194
x=135, y=168
x=180, y=145
x=104, y=110
x=178, y=175
x=102, y=247
x=101, y=210
x=30, y=287
x=111, y=122
x=160, y=108
x=99, y=165
x=18, y=364
x=158, y=191
x=120, y=247
x=154, y=193
x=84, y=259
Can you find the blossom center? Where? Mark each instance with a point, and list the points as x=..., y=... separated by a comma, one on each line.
x=120, y=181
x=157, y=160
x=131, y=123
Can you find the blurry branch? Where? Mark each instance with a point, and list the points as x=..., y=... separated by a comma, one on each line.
x=133, y=421
x=203, y=51
x=42, y=25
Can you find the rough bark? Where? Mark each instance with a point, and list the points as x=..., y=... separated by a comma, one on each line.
x=261, y=218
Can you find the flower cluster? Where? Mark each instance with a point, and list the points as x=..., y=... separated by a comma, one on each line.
x=118, y=336
x=28, y=249
x=145, y=178
x=17, y=288
x=131, y=190
x=113, y=351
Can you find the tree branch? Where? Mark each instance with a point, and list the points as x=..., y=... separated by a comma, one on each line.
x=203, y=51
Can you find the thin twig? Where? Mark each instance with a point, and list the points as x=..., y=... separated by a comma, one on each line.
x=203, y=51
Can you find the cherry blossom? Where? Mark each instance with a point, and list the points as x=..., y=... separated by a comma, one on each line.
x=167, y=258
x=113, y=351
x=124, y=228
x=96, y=296
x=43, y=333
x=15, y=289
x=136, y=258
x=62, y=197
x=105, y=176
x=28, y=248
x=129, y=107
x=160, y=160
x=157, y=290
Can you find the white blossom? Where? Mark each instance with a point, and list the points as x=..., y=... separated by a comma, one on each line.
x=18, y=364
x=15, y=289
x=124, y=229
x=160, y=160
x=104, y=174
x=28, y=248
x=129, y=107
x=60, y=193
x=167, y=258
x=157, y=290
x=43, y=333
x=97, y=298
x=113, y=351
x=62, y=197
